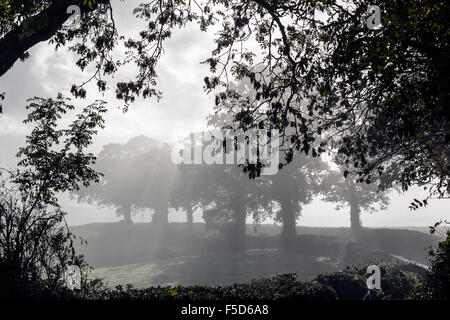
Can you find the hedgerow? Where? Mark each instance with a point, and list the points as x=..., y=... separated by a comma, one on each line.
x=397, y=282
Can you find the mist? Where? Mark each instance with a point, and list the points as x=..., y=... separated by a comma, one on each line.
x=152, y=221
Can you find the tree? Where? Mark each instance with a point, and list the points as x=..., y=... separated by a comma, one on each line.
x=36, y=246
x=347, y=192
x=23, y=24
x=155, y=182
x=295, y=186
x=225, y=193
x=115, y=166
x=376, y=95
x=227, y=199
x=291, y=187
x=189, y=190
x=136, y=175
x=222, y=190
x=192, y=184
x=436, y=285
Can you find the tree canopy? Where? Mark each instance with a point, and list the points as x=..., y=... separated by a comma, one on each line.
x=359, y=197
x=137, y=175
x=318, y=73
x=36, y=246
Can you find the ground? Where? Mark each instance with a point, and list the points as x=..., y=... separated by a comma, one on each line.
x=139, y=255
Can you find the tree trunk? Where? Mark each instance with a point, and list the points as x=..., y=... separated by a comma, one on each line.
x=355, y=222
x=189, y=216
x=355, y=211
x=289, y=220
x=161, y=217
x=240, y=216
x=125, y=211
x=127, y=215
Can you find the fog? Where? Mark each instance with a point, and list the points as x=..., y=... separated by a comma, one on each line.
x=142, y=185
x=182, y=110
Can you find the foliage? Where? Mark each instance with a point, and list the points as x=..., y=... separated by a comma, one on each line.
x=397, y=282
x=282, y=195
x=222, y=190
x=295, y=186
x=378, y=96
x=142, y=165
x=229, y=195
x=436, y=285
x=36, y=246
x=25, y=23
x=347, y=191
x=348, y=284
x=280, y=287
x=54, y=160
x=333, y=78
x=330, y=77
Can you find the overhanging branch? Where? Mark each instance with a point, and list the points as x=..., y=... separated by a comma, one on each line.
x=42, y=26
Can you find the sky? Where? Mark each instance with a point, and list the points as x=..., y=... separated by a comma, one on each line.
x=182, y=110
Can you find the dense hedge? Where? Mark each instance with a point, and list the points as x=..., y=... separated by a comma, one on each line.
x=280, y=287
x=436, y=284
x=397, y=282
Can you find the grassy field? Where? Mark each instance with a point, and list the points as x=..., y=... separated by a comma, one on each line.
x=217, y=268
x=138, y=255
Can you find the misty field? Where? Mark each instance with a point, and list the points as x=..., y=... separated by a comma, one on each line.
x=217, y=268
x=122, y=254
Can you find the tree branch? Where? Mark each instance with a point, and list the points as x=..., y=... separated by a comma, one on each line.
x=35, y=29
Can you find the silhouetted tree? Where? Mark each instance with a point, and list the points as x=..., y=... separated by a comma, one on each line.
x=348, y=192
x=23, y=24
x=189, y=190
x=155, y=183
x=120, y=174
x=222, y=189
x=436, y=285
x=136, y=175
x=192, y=183
x=378, y=94
x=294, y=186
x=110, y=191
x=228, y=198
x=36, y=246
